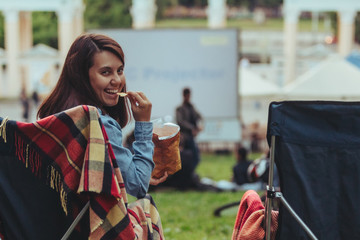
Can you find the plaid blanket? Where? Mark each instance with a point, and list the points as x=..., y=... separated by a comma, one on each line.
x=71, y=153
x=250, y=219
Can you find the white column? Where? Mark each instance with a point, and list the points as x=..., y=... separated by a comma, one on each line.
x=65, y=31
x=346, y=31
x=12, y=30
x=290, y=31
x=327, y=23
x=79, y=21
x=26, y=36
x=26, y=43
x=216, y=12
x=143, y=13
x=315, y=21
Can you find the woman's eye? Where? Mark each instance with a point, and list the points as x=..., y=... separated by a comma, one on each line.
x=105, y=72
x=120, y=71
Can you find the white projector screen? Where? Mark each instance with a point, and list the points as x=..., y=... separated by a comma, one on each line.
x=161, y=63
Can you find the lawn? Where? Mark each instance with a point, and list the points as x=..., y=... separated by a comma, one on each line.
x=189, y=214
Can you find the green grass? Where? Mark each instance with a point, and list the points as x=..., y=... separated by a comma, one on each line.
x=189, y=214
x=276, y=24
x=219, y=167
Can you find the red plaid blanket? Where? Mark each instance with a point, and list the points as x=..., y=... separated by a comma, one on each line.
x=80, y=160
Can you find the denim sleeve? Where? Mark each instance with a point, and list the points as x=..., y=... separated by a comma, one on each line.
x=135, y=168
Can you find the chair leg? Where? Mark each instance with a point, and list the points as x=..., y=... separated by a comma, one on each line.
x=229, y=205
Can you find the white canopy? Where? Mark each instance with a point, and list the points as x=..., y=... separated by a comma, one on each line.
x=318, y=50
x=333, y=79
x=41, y=51
x=253, y=85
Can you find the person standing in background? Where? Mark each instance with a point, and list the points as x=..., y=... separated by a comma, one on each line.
x=189, y=119
x=25, y=105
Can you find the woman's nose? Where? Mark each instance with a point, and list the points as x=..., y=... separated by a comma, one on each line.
x=116, y=79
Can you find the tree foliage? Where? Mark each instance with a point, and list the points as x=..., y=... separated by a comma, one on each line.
x=193, y=3
x=107, y=14
x=45, y=29
x=162, y=5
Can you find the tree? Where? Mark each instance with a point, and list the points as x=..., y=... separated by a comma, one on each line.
x=107, y=14
x=162, y=5
x=193, y=3
x=45, y=28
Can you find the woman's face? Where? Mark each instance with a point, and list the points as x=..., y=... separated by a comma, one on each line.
x=107, y=77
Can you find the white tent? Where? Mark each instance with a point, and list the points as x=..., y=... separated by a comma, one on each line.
x=253, y=85
x=333, y=79
x=316, y=51
x=255, y=95
x=41, y=51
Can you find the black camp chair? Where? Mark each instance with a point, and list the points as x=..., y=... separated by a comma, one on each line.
x=31, y=210
x=316, y=148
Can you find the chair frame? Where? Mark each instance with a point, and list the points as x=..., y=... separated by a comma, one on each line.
x=271, y=194
x=76, y=221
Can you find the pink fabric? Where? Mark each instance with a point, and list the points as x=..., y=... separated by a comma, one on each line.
x=251, y=218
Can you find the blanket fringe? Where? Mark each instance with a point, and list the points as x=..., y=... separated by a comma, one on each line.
x=32, y=160
x=56, y=183
x=3, y=128
x=29, y=156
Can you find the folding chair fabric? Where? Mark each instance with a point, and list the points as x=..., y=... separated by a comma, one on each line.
x=317, y=153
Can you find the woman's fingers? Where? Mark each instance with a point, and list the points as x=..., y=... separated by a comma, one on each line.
x=140, y=106
x=143, y=96
x=156, y=181
x=138, y=98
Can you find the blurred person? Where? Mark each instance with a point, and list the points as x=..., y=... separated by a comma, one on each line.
x=25, y=105
x=187, y=178
x=93, y=74
x=35, y=98
x=240, y=169
x=259, y=170
x=246, y=174
x=189, y=120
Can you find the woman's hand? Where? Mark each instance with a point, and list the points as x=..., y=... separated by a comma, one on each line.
x=140, y=106
x=156, y=181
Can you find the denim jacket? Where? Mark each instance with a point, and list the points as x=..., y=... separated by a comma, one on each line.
x=135, y=168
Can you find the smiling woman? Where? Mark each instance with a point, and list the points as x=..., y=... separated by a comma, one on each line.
x=93, y=74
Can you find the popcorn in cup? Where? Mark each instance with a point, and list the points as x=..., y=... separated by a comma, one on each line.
x=166, y=138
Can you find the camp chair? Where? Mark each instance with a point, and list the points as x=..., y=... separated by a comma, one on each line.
x=59, y=180
x=315, y=145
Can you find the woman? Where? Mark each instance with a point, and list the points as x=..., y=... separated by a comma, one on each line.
x=93, y=74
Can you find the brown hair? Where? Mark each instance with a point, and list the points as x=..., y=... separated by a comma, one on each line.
x=73, y=87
